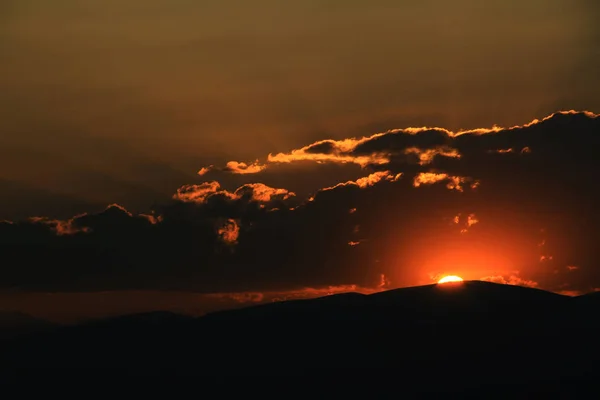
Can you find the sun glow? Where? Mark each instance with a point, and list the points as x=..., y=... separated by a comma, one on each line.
x=450, y=279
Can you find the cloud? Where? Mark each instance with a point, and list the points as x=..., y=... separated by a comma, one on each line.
x=428, y=155
x=67, y=227
x=472, y=220
x=205, y=170
x=425, y=144
x=510, y=280
x=369, y=180
x=199, y=193
x=86, y=223
x=572, y=293
x=254, y=191
x=243, y=168
x=229, y=231
x=262, y=192
x=453, y=182
x=466, y=223
x=243, y=297
x=458, y=203
x=303, y=293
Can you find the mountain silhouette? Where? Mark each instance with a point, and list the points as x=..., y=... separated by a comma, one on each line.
x=15, y=323
x=436, y=338
x=431, y=302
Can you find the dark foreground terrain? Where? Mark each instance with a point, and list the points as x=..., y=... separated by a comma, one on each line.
x=473, y=338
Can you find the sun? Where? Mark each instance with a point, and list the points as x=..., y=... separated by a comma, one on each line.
x=450, y=279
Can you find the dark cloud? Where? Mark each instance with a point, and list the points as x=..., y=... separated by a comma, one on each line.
x=470, y=203
x=322, y=147
x=400, y=140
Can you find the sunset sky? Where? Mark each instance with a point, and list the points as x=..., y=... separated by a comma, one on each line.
x=194, y=155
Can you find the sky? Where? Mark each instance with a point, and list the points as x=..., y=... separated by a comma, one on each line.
x=239, y=151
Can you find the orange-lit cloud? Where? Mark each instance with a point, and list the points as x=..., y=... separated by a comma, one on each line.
x=369, y=180
x=452, y=182
x=306, y=293
x=153, y=219
x=205, y=170
x=71, y=227
x=510, y=280
x=198, y=193
x=262, y=192
x=428, y=178
x=243, y=168
x=377, y=149
x=468, y=222
x=254, y=191
x=242, y=297
x=229, y=231
x=60, y=227
x=78, y=223
x=472, y=220
x=426, y=156
x=572, y=293
x=337, y=151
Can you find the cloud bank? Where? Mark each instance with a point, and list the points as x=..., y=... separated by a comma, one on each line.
x=514, y=205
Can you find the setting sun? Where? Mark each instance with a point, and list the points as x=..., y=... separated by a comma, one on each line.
x=450, y=278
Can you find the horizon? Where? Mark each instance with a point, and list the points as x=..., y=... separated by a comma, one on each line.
x=185, y=304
